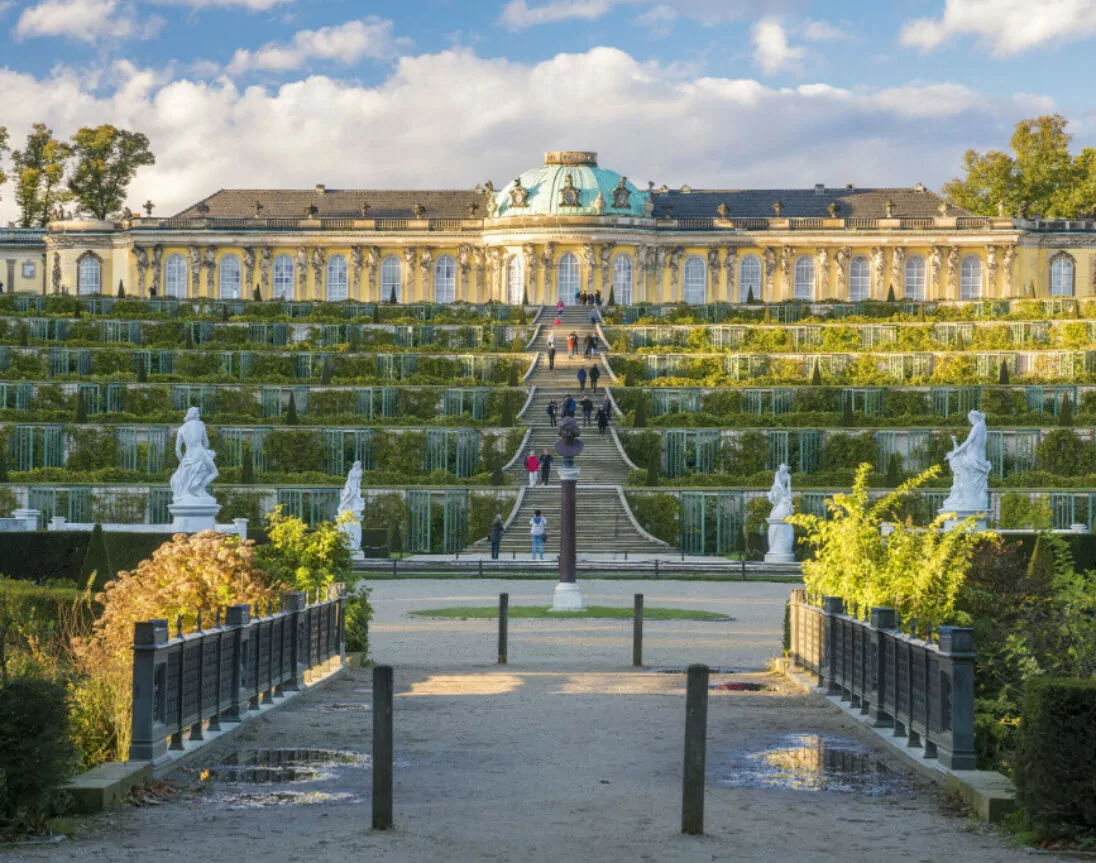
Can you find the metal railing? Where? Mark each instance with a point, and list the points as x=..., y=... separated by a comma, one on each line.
x=218, y=675
x=923, y=690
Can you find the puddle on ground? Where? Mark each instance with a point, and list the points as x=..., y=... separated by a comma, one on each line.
x=809, y=762
x=279, y=767
x=677, y=669
x=739, y=686
x=255, y=800
x=347, y=706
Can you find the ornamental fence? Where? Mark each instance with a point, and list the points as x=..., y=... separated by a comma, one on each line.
x=922, y=689
x=192, y=683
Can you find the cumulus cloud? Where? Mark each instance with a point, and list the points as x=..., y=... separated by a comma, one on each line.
x=519, y=15
x=84, y=21
x=252, y=5
x=415, y=129
x=822, y=31
x=772, y=52
x=347, y=44
x=1007, y=27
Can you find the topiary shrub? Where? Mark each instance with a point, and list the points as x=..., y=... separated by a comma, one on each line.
x=1056, y=761
x=359, y=613
x=95, y=570
x=640, y=419
x=654, y=468
x=1065, y=412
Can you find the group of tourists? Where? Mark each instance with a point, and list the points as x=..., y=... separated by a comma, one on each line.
x=538, y=466
x=593, y=376
x=538, y=531
x=588, y=298
x=569, y=408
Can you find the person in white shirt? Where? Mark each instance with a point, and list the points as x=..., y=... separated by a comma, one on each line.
x=538, y=529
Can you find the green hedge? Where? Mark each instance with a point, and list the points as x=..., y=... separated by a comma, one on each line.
x=1056, y=762
x=42, y=556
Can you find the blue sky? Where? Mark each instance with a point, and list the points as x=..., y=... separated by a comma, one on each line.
x=447, y=93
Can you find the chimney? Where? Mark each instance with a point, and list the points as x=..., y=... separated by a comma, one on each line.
x=321, y=189
x=819, y=188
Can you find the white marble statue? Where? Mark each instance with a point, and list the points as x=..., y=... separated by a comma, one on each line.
x=970, y=471
x=350, y=501
x=781, y=534
x=196, y=466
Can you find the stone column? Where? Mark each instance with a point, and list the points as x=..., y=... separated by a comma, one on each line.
x=464, y=263
x=991, y=271
x=266, y=259
x=494, y=266
x=530, y=255
x=1006, y=264
x=953, y=274
x=373, y=261
x=898, y=280
x=640, y=275
x=209, y=266
x=822, y=273
x=548, y=261
x=357, y=259
x=936, y=290
x=568, y=595
x=676, y=288
x=787, y=253
x=479, y=258
x=589, y=261
x=768, y=289
x=878, y=273
x=605, y=256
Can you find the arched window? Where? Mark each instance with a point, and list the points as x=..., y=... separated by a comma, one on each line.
x=515, y=280
x=229, y=280
x=285, y=271
x=1061, y=277
x=970, y=278
x=175, y=274
x=804, y=278
x=391, y=279
x=749, y=279
x=337, y=286
x=622, y=280
x=89, y=275
x=915, y=278
x=696, y=281
x=445, y=279
x=859, y=279
x=567, y=280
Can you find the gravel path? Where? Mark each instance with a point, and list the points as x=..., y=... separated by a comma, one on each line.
x=566, y=754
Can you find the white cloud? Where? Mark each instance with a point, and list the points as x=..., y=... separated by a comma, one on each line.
x=348, y=44
x=659, y=20
x=252, y=5
x=772, y=53
x=519, y=15
x=823, y=31
x=84, y=20
x=415, y=129
x=5, y=5
x=1007, y=27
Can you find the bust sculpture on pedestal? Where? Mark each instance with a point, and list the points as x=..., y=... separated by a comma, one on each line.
x=970, y=475
x=781, y=534
x=350, y=501
x=193, y=508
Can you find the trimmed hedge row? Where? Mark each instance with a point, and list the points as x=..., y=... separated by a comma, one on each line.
x=42, y=556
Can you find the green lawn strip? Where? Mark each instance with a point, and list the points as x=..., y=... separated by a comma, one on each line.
x=608, y=576
x=593, y=612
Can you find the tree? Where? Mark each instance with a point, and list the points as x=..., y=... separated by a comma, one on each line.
x=1002, y=374
x=816, y=375
x=95, y=570
x=121, y=290
x=890, y=294
x=1061, y=452
x=893, y=476
x=106, y=161
x=848, y=419
x=507, y=420
x=640, y=419
x=142, y=373
x=328, y=372
x=3, y=150
x=654, y=467
x=81, y=407
x=247, y=468
x=257, y=294
x=376, y=313
x=512, y=381
x=749, y=296
x=1065, y=412
x=189, y=343
x=392, y=297
x=40, y=176
x=611, y=300
x=768, y=316
x=291, y=411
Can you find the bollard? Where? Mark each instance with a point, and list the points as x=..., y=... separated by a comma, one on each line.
x=481, y=567
x=504, y=622
x=696, y=733
x=637, y=631
x=382, y=747
x=394, y=568
x=656, y=568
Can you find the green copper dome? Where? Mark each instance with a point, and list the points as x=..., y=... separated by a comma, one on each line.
x=569, y=183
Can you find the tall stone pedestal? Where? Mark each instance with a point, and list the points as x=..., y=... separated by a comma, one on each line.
x=568, y=595
x=781, y=542
x=194, y=516
x=352, y=531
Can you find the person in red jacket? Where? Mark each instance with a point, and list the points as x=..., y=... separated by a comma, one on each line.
x=532, y=465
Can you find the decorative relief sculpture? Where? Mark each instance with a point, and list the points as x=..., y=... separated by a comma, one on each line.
x=519, y=195
x=898, y=258
x=1006, y=263
x=676, y=254
x=249, y=271
x=970, y=472
x=600, y=204
x=266, y=259
x=833, y=209
x=357, y=260
x=195, y=255
x=464, y=263
x=302, y=272
x=569, y=196
x=209, y=265
x=781, y=534
x=157, y=268
x=622, y=198
x=769, y=256
x=936, y=263
x=548, y=259
x=787, y=254
x=991, y=268
x=730, y=266
x=822, y=266
x=878, y=270
x=372, y=260
x=491, y=205
x=141, y=254
x=713, y=269
x=589, y=258
x=56, y=273
x=319, y=259
x=953, y=271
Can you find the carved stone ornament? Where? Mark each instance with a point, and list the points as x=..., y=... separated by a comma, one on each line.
x=157, y=262
x=1006, y=263
x=649, y=206
x=464, y=257
x=841, y=260
x=778, y=208
x=888, y=208
x=266, y=258
x=56, y=272
x=310, y=211
x=898, y=257
x=426, y=259
x=569, y=196
x=943, y=208
x=770, y=261
x=365, y=209
x=722, y=211
x=600, y=204
x=519, y=195
x=419, y=211
x=622, y=198
x=195, y=270
x=258, y=209
x=713, y=265
x=202, y=208
x=833, y=209
x=548, y=256
x=822, y=265
x=787, y=254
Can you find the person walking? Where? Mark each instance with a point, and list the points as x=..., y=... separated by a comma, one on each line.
x=572, y=345
x=551, y=411
x=532, y=465
x=551, y=356
x=569, y=407
x=578, y=294
x=594, y=342
x=581, y=379
x=595, y=373
x=559, y=308
x=587, y=411
x=589, y=346
x=538, y=530
x=497, y=530
x=593, y=319
x=602, y=419
x=551, y=340
x=597, y=299
x=545, y=467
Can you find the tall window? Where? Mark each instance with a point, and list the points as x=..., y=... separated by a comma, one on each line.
x=567, y=280
x=175, y=273
x=970, y=278
x=749, y=278
x=445, y=279
x=337, y=286
x=696, y=280
x=804, y=278
x=515, y=280
x=391, y=279
x=915, y=278
x=229, y=280
x=859, y=279
x=285, y=271
x=622, y=280
x=1061, y=277
x=89, y=275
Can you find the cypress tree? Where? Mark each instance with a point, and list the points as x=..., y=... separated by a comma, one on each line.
x=78, y=311
x=189, y=338
x=1042, y=565
x=654, y=467
x=1002, y=374
x=494, y=463
x=392, y=297
x=81, y=407
x=611, y=299
x=525, y=296
x=749, y=296
x=894, y=471
x=512, y=381
x=768, y=317
x=95, y=570
x=224, y=313
x=121, y=290
x=921, y=312
x=3, y=464
x=816, y=375
x=848, y=420
x=507, y=420
x=24, y=335
x=291, y=411
x=354, y=340
x=640, y=420
x=247, y=469
x=328, y=372
x=376, y=313
x=258, y=294
x=890, y=294
x=142, y=373
x=1065, y=412
x=1076, y=310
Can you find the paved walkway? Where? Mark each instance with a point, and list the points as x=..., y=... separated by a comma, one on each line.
x=566, y=754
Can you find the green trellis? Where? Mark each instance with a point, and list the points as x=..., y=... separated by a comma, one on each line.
x=954, y=400
x=65, y=361
x=877, y=335
x=1049, y=398
x=996, y=451
x=1063, y=509
x=664, y=401
x=159, y=498
x=886, y=445
x=452, y=450
x=418, y=521
x=36, y=446
x=813, y=503
x=90, y=393
x=1026, y=445
x=272, y=404
x=364, y=406
x=919, y=449
x=16, y=395
x=232, y=441
x=276, y=335
x=730, y=520
x=459, y=401
x=201, y=332
x=871, y=401
x=810, y=450
x=121, y=332
x=51, y=501
x=477, y=367
x=390, y=402
x=902, y=367
x=345, y=446
x=297, y=310
x=236, y=364
x=184, y=396
x=778, y=450
x=707, y=450
x=693, y=522
x=312, y=505
x=142, y=448
x=154, y=362
x=674, y=447
x=455, y=520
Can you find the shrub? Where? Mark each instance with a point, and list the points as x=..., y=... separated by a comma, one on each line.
x=358, y=615
x=657, y=514
x=654, y=468
x=95, y=570
x=1062, y=452
x=1056, y=761
x=304, y=558
x=1017, y=511
x=640, y=419
x=291, y=411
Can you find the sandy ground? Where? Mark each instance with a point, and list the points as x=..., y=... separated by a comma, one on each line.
x=566, y=754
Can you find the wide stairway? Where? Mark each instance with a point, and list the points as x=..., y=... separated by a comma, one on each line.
x=602, y=523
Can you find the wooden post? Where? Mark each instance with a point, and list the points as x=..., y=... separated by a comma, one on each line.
x=382, y=747
x=696, y=733
x=637, y=631
x=504, y=622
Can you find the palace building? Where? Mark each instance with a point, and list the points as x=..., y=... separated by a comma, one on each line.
x=567, y=226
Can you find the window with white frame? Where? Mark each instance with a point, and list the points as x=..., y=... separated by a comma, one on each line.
x=567, y=279
x=229, y=278
x=175, y=275
x=285, y=273
x=622, y=280
x=696, y=280
x=391, y=279
x=914, y=287
x=859, y=279
x=804, y=278
x=338, y=286
x=970, y=278
x=445, y=279
x=749, y=278
x=1061, y=277
x=515, y=280
x=89, y=275
x=28, y=269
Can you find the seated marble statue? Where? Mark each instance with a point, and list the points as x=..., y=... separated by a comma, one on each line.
x=196, y=466
x=351, y=498
x=780, y=495
x=970, y=469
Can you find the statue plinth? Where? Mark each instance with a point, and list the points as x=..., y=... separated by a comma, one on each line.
x=194, y=515
x=980, y=517
x=781, y=541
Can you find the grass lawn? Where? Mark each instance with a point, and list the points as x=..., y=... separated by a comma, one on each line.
x=592, y=612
